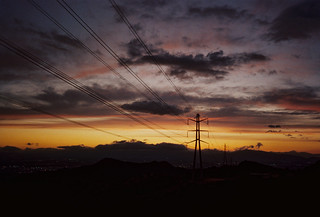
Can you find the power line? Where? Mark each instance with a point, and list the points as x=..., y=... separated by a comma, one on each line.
x=113, y=54
x=154, y=59
x=39, y=8
x=37, y=109
x=85, y=47
x=73, y=82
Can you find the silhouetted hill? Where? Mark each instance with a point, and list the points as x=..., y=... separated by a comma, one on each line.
x=158, y=188
x=109, y=163
x=276, y=159
x=137, y=151
x=314, y=167
x=254, y=167
x=112, y=167
x=244, y=168
x=112, y=171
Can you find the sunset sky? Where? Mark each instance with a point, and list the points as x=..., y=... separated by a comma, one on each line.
x=251, y=67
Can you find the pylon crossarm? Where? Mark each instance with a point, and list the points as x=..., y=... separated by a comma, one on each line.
x=190, y=119
x=188, y=132
x=203, y=119
x=190, y=142
x=204, y=141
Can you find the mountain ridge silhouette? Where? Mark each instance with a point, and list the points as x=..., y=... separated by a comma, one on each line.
x=158, y=188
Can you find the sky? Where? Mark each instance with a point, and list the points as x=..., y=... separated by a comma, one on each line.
x=251, y=67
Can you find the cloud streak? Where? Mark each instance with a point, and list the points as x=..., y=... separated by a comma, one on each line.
x=298, y=98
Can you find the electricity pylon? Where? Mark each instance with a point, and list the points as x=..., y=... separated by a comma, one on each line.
x=225, y=158
x=197, y=141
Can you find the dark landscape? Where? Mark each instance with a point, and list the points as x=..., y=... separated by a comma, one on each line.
x=157, y=188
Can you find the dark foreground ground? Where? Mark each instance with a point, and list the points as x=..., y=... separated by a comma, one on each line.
x=117, y=188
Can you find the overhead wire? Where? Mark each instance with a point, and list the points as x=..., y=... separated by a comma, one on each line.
x=146, y=48
x=75, y=15
x=148, y=51
x=73, y=82
x=85, y=47
x=29, y=106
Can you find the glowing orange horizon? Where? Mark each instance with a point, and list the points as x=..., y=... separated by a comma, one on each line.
x=49, y=132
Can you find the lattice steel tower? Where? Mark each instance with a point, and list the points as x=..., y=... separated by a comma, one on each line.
x=197, y=141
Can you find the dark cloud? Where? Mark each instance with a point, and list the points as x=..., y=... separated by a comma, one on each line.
x=11, y=62
x=75, y=96
x=125, y=146
x=74, y=148
x=154, y=108
x=221, y=101
x=69, y=102
x=56, y=42
x=273, y=131
x=17, y=74
x=214, y=64
x=146, y=9
x=46, y=43
x=134, y=48
x=180, y=73
x=73, y=102
x=299, y=21
x=77, y=103
x=250, y=147
x=262, y=22
x=51, y=38
x=65, y=40
x=217, y=59
x=274, y=126
x=32, y=30
x=232, y=111
x=300, y=97
x=258, y=145
x=221, y=12
x=146, y=4
x=297, y=101
x=268, y=72
x=246, y=147
x=273, y=72
x=116, y=93
x=240, y=116
x=250, y=57
x=154, y=3
x=41, y=39
x=32, y=144
x=199, y=62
